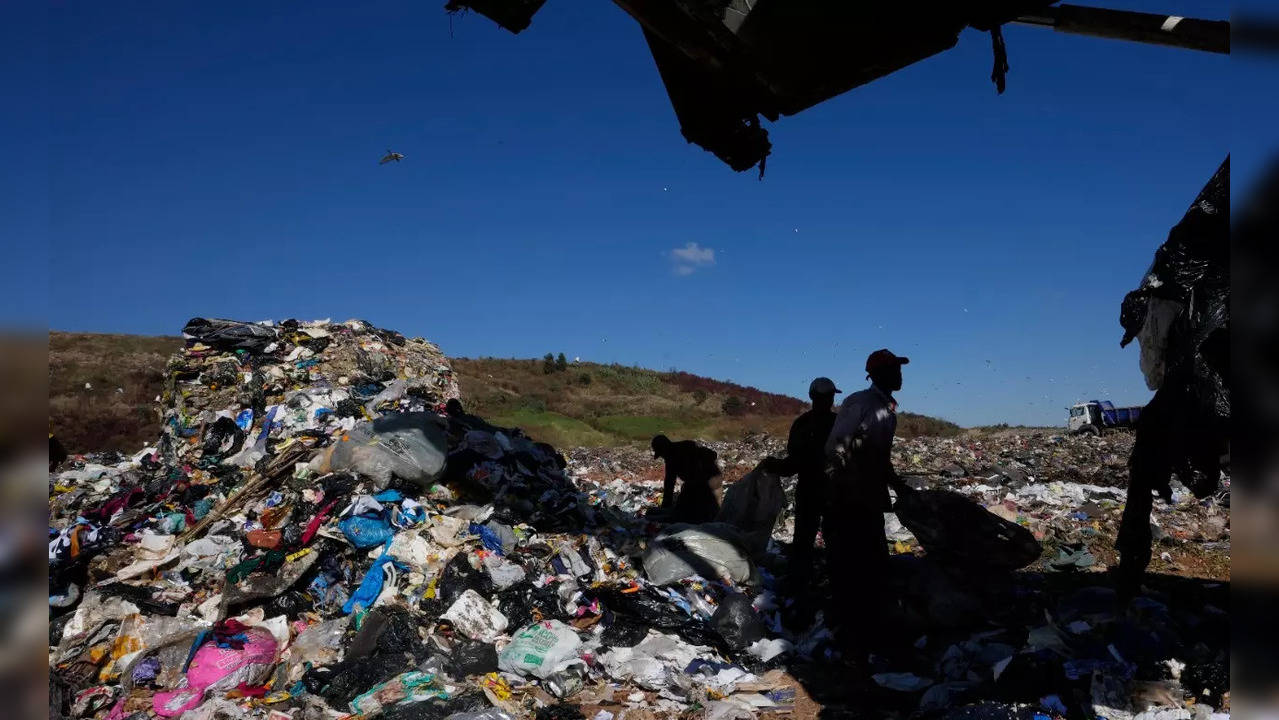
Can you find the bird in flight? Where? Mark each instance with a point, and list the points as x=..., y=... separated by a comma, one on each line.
x=391, y=157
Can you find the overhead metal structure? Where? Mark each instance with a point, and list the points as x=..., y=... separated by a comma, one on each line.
x=728, y=63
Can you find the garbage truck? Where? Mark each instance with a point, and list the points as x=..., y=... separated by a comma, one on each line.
x=1095, y=416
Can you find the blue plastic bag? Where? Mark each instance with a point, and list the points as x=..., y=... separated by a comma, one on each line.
x=366, y=531
x=488, y=537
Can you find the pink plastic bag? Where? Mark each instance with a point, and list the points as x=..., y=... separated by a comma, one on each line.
x=214, y=668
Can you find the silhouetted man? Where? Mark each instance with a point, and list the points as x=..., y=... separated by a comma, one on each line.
x=858, y=450
x=806, y=457
x=698, y=467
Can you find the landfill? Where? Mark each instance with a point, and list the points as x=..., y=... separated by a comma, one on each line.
x=322, y=531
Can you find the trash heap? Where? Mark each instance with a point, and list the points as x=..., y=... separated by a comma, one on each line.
x=322, y=531
x=1013, y=457
x=1050, y=641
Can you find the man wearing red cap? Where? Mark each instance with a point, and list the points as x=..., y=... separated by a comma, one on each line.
x=859, y=451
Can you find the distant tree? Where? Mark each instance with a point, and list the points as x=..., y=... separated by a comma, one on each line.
x=699, y=396
x=548, y=364
x=733, y=405
x=584, y=379
x=561, y=363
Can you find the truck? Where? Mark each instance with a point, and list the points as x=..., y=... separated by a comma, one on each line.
x=1094, y=416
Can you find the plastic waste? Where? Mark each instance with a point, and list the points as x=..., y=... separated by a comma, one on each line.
x=364, y=531
x=408, y=446
x=712, y=551
x=541, y=650
x=953, y=528
x=752, y=505
x=409, y=687
x=229, y=334
x=769, y=648
x=383, y=569
x=472, y=658
x=214, y=668
x=503, y=573
x=736, y=622
x=319, y=644
x=223, y=437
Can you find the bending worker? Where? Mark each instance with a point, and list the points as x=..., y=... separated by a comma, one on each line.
x=698, y=467
x=806, y=457
x=859, y=450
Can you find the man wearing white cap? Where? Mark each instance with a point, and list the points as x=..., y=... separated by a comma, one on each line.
x=859, y=450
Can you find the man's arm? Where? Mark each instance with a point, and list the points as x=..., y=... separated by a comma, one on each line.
x=668, y=485
x=788, y=465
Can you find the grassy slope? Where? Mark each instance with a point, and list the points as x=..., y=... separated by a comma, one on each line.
x=586, y=404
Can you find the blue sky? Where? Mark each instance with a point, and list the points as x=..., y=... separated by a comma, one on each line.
x=220, y=159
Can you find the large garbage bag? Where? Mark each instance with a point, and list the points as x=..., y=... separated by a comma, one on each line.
x=212, y=668
x=752, y=505
x=710, y=550
x=736, y=622
x=1181, y=315
x=409, y=446
x=229, y=334
x=953, y=528
x=541, y=650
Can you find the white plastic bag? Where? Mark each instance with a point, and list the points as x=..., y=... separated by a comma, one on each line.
x=541, y=650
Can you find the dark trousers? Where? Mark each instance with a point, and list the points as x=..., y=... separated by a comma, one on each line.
x=857, y=560
x=810, y=500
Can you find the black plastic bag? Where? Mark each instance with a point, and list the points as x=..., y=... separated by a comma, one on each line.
x=954, y=529
x=624, y=632
x=458, y=577
x=341, y=683
x=472, y=658
x=657, y=612
x=523, y=604
x=229, y=334
x=736, y=622
x=560, y=711
x=437, y=709
x=222, y=438
x=1181, y=313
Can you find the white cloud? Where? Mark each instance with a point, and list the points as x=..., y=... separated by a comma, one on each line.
x=690, y=258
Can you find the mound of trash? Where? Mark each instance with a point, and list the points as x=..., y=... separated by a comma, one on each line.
x=321, y=529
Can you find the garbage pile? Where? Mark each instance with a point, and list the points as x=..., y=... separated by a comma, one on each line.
x=1049, y=642
x=1012, y=457
x=1068, y=490
x=321, y=530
